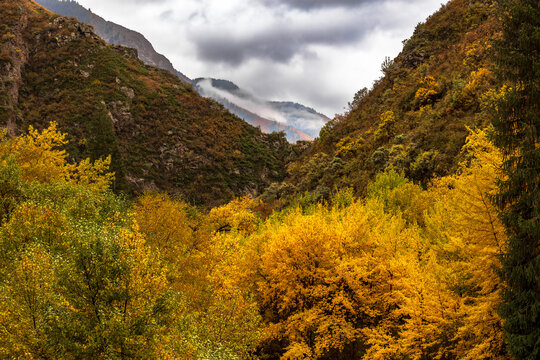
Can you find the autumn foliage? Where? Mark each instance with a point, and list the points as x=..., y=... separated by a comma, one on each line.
x=405, y=273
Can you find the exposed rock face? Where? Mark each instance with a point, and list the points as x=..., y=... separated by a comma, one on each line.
x=127, y=52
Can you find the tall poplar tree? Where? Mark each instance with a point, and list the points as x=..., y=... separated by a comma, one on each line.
x=517, y=125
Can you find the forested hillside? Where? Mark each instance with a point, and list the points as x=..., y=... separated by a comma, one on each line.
x=160, y=133
x=414, y=120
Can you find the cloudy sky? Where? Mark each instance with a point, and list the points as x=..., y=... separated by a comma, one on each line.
x=316, y=52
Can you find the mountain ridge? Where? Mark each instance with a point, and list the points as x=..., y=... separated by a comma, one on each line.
x=113, y=33
x=161, y=133
x=298, y=121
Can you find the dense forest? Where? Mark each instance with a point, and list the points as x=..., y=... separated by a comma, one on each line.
x=409, y=230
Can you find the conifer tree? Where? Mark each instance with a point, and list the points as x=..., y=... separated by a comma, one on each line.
x=517, y=125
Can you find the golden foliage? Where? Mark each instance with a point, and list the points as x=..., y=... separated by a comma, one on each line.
x=427, y=91
x=385, y=127
x=40, y=157
x=406, y=273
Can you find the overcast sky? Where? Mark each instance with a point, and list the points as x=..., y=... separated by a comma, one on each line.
x=316, y=52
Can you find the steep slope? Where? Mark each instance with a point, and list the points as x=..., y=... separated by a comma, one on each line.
x=113, y=33
x=298, y=121
x=160, y=132
x=414, y=119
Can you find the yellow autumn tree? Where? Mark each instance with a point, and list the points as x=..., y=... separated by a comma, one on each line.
x=77, y=279
x=181, y=240
x=477, y=235
x=203, y=254
x=41, y=158
x=450, y=289
x=26, y=292
x=328, y=277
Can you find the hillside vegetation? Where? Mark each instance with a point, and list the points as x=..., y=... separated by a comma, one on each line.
x=160, y=133
x=414, y=119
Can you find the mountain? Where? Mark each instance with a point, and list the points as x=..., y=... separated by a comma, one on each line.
x=161, y=133
x=301, y=117
x=298, y=121
x=238, y=102
x=415, y=118
x=113, y=33
x=302, y=123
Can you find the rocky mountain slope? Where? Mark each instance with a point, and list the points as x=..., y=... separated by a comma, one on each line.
x=113, y=33
x=414, y=119
x=161, y=134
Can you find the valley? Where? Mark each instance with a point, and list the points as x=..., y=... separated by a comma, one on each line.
x=147, y=215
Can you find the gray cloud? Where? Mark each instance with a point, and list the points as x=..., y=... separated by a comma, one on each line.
x=317, y=4
x=279, y=44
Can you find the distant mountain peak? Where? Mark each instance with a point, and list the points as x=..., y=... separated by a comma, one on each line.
x=220, y=84
x=298, y=121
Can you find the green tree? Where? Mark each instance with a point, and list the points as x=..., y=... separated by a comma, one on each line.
x=517, y=133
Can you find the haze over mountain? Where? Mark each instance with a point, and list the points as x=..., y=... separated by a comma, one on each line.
x=298, y=121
